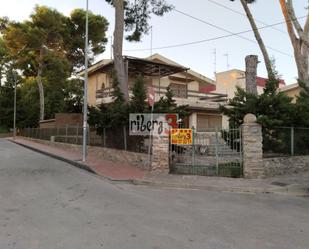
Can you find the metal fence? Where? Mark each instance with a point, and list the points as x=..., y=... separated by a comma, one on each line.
x=285, y=141
x=114, y=138
x=212, y=153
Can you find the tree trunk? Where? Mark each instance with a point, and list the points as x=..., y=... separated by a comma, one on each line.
x=301, y=48
x=304, y=64
x=258, y=38
x=119, y=63
x=40, y=84
x=251, y=72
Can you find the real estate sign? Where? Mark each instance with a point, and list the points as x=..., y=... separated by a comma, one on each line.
x=181, y=136
x=156, y=124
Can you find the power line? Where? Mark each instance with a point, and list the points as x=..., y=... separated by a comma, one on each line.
x=242, y=14
x=236, y=34
x=217, y=38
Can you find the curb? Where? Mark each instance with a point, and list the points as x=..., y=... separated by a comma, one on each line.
x=76, y=164
x=199, y=187
x=253, y=190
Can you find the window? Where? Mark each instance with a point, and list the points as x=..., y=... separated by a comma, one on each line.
x=179, y=90
x=207, y=122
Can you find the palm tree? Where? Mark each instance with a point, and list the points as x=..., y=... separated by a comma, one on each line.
x=257, y=35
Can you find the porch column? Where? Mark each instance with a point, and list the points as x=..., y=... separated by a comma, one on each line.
x=193, y=120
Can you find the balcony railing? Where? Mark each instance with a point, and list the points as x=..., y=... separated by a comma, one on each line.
x=107, y=93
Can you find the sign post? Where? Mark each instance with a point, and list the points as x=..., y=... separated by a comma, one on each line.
x=151, y=101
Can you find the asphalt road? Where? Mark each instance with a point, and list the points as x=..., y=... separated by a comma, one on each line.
x=48, y=204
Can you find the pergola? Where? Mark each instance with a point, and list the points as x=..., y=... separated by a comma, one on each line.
x=137, y=66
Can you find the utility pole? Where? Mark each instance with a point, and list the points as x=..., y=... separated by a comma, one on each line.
x=215, y=61
x=14, y=122
x=85, y=109
x=151, y=37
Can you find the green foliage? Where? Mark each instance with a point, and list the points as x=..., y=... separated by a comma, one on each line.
x=73, y=96
x=138, y=13
x=272, y=108
x=3, y=58
x=167, y=104
x=239, y=106
x=62, y=40
x=302, y=106
x=138, y=100
x=113, y=115
x=75, y=41
x=116, y=114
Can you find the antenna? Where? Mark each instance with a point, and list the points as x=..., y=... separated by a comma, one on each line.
x=215, y=61
x=151, y=36
x=227, y=61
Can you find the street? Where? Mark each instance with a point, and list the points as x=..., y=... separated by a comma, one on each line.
x=48, y=204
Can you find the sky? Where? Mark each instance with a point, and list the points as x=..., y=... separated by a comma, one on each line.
x=176, y=28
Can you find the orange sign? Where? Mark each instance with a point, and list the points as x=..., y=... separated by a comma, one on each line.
x=181, y=136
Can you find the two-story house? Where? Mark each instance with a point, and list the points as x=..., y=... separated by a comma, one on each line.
x=160, y=72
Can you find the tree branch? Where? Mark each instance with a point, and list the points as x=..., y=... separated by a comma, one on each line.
x=258, y=38
x=288, y=22
x=306, y=27
x=297, y=26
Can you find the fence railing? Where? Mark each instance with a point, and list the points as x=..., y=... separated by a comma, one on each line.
x=212, y=153
x=285, y=141
x=114, y=138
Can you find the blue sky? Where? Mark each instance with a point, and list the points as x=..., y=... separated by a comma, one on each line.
x=175, y=28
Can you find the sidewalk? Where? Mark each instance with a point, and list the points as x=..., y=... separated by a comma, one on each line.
x=107, y=169
x=296, y=185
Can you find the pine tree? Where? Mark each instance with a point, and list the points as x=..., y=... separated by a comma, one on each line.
x=272, y=108
x=302, y=106
x=138, y=104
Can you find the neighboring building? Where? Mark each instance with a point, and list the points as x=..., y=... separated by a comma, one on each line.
x=160, y=73
x=227, y=81
x=292, y=91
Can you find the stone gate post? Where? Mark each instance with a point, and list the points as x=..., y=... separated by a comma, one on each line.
x=160, y=154
x=252, y=147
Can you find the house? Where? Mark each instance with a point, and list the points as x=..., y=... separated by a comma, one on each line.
x=227, y=81
x=160, y=72
x=292, y=91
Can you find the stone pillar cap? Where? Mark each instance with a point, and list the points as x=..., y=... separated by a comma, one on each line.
x=250, y=118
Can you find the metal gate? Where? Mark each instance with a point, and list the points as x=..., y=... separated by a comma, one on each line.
x=212, y=153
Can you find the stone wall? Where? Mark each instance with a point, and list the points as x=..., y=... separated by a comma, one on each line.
x=139, y=160
x=4, y=135
x=285, y=165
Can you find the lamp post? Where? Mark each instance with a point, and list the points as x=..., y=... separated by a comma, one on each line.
x=14, y=122
x=85, y=109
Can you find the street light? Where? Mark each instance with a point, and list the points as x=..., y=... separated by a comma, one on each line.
x=14, y=122
x=85, y=109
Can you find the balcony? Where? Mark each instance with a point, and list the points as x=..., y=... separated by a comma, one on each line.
x=193, y=99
